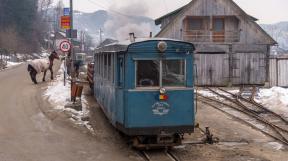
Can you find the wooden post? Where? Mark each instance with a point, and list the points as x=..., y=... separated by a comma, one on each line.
x=230, y=62
x=267, y=64
x=277, y=72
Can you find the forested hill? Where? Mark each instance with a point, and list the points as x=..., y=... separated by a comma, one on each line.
x=21, y=25
x=279, y=31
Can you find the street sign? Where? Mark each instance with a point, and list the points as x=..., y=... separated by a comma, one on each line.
x=66, y=11
x=65, y=22
x=65, y=46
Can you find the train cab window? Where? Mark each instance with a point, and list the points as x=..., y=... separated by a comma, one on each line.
x=173, y=73
x=148, y=73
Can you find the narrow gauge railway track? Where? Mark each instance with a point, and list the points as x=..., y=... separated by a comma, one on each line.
x=163, y=155
x=254, y=104
x=262, y=114
x=276, y=131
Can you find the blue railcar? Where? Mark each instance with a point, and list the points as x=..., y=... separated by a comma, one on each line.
x=145, y=88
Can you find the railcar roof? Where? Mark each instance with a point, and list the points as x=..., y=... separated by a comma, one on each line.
x=123, y=45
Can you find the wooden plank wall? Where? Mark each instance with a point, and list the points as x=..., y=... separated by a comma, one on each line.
x=278, y=72
x=212, y=69
x=248, y=68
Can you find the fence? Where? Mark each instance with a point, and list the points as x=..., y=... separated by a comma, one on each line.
x=278, y=71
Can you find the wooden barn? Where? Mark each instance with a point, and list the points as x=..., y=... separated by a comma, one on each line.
x=231, y=48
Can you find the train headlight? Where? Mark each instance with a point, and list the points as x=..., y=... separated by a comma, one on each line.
x=162, y=46
x=163, y=96
x=162, y=90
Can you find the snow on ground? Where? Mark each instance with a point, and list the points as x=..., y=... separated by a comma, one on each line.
x=44, y=54
x=207, y=93
x=276, y=99
x=11, y=64
x=59, y=95
x=275, y=145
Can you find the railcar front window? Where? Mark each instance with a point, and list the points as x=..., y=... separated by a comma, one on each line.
x=148, y=73
x=173, y=73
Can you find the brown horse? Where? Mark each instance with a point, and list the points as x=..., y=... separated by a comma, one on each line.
x=42, y=65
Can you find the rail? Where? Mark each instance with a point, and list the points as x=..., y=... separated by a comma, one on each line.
x=273, y=130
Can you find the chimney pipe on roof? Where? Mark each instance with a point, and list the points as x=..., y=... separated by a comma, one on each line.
x=132, y=37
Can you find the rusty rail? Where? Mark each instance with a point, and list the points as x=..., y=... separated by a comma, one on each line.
x=252, y=101
x=244, y=109
x=239, y=119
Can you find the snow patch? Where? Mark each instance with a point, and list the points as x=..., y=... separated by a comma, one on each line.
x=11, y=64
x=275, y=99
x=208, y=93
x=59, y=95
x=275, y=145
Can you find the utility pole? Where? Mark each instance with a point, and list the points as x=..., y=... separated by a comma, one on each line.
x=71, y=17
x=72, y=74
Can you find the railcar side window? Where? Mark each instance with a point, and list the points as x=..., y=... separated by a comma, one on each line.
x=148, y=73
x=120, y=68
x=173, y=73
x=109, y=67
x=105, y=66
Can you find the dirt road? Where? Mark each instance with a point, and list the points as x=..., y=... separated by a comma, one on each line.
x=29, y=132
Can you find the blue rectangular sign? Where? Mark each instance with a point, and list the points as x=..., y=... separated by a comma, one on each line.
x=66, y=11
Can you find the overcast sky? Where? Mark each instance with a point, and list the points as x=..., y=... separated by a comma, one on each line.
x=267, y=11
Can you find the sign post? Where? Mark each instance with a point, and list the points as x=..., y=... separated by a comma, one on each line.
x=65, y=47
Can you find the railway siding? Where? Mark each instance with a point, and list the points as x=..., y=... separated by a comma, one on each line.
x=249, y=112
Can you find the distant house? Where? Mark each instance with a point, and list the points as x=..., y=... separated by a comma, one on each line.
x=231, y=48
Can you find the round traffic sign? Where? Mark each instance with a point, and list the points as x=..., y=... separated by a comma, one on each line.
x=65, y=46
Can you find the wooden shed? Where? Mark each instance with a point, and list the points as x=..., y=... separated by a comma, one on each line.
x=231, y=48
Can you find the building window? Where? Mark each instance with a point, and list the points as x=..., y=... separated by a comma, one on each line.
x=194, y=24
x=219, y=24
